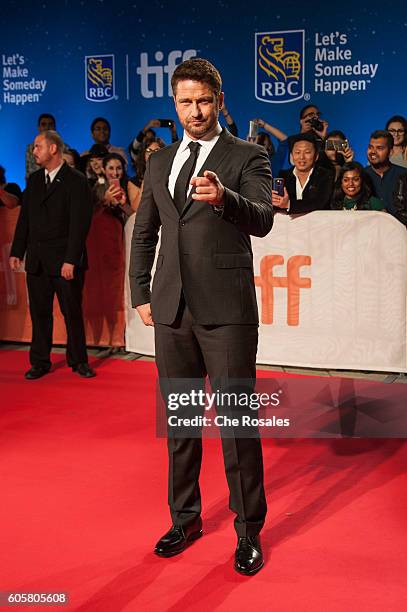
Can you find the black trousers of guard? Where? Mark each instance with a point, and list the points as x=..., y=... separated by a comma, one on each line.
x=41, y=291
x=188, y=350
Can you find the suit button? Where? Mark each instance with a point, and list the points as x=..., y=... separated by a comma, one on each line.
x=182, y=223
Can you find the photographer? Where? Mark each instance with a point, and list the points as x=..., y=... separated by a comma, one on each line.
x=338, y=151
x=310, y=121
x=148, y=133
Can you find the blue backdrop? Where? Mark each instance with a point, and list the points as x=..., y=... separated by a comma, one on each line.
x=84, y=59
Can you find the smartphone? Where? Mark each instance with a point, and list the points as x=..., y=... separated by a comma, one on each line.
x=167, y=123
x=278, y=185
x=332, y=144
x=253, y=131
x=115, y=182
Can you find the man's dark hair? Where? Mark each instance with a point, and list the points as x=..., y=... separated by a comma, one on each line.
x=46, y=116
x=383, y=134
x=197, y=69
x=53, y=137
x=95, y=121
x=366, y=189
x=2, y=175
x=306, y=136
x=305, y=108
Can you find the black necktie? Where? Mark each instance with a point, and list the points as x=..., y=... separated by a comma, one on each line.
x=184, y=177
x=48, y=181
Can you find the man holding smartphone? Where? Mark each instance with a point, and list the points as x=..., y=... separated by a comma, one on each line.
x=308, y=186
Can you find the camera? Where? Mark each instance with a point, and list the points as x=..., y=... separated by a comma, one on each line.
x=316, y=124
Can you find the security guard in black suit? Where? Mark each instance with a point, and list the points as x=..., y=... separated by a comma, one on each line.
x=51, y=231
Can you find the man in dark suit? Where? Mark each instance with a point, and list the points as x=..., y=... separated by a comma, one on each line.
x=308, y=186
x=52, y=229
x=207, y=193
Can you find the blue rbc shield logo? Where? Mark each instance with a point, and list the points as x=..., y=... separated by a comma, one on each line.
x=280, y=66
x=99, y=78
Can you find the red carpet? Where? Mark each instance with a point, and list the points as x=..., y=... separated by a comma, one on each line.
x=83, y=499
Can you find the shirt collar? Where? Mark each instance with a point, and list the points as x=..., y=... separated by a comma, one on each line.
x=309, y=174
x=54, y=172
x=209, y=140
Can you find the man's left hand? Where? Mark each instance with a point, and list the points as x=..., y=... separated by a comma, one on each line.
x=67, y=271
x=208, y=188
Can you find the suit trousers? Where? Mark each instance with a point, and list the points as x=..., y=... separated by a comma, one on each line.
x=41, y=290
x=186, y=350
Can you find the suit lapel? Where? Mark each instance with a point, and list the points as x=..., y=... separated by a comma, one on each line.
x=59, y=178
x=162, y=172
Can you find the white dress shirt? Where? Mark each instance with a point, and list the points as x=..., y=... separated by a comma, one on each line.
x=183, y=154
x=300, y=188
x=53, y=173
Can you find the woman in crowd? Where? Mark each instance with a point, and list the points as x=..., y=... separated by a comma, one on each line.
x=72, y=158
x=148, y=148
x=106, y=250
x=92, y=164
x=353, y=191
x=397, y=126
x=114, y=193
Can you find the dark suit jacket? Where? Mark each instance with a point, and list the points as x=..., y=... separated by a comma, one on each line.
x=53, y=224
x=206, y=255
x=316, y=195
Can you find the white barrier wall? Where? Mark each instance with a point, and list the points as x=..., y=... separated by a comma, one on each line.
x=331, y=289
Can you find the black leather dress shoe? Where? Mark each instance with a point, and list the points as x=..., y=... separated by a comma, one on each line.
x=248, y=556
x=36, y=372
x=84, y=370
x=177, y=539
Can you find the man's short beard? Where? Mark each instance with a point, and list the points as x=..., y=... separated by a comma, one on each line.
x=380, y=164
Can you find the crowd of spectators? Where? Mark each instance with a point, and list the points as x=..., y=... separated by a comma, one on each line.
x=317, y=166
x=314, y=169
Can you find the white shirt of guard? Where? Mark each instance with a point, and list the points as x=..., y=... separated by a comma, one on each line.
x=53, y=172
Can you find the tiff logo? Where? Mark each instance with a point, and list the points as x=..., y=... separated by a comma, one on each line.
x=153, y=76
x=293, y=282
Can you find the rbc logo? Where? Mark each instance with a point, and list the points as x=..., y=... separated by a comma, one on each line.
x=99, y=78
x=280, y=66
